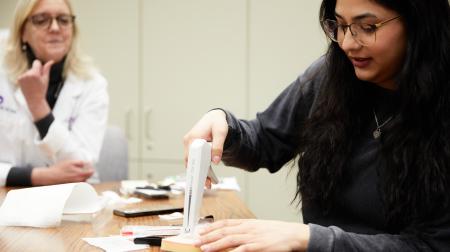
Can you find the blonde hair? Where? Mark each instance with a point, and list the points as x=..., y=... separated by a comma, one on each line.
x=15, y=60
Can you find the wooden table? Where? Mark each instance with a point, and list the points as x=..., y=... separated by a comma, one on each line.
x=67, y=237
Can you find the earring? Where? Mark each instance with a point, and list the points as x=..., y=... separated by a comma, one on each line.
x=24, y=46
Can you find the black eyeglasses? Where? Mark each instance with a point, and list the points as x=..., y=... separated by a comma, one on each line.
x=363, y=33
x=44, y=20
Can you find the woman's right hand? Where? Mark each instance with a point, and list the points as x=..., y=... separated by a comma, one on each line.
x=65, y=171
x=212, y=127
x=34, y=85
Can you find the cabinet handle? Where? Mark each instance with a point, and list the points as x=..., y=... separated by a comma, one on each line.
x=128, y=114
x=148, y=136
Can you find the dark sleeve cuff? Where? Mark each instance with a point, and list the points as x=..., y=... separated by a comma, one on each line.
x=44, y=124
x=19, y=176
x=232, y=133
x=321, y=239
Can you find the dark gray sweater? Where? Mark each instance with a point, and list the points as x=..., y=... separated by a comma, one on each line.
x=356, y=222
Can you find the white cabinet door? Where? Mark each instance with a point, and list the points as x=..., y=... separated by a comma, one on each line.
x=194, y=59
x=109, y=32
x=285, y=38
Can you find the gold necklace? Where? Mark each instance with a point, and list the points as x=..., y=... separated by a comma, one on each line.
x=377, y=132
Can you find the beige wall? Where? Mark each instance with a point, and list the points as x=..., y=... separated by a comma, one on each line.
x=6, y=12
x=169, y=61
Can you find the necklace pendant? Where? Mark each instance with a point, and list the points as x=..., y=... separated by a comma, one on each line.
x=376, y=133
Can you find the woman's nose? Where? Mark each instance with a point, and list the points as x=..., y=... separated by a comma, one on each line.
x=349, y=42
x=54, y=26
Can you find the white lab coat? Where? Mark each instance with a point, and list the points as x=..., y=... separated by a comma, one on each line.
x=77, y=132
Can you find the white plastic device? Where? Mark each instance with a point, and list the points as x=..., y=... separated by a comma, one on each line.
x=199, y=162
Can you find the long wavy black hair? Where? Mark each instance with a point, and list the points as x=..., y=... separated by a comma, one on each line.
x=415, y=146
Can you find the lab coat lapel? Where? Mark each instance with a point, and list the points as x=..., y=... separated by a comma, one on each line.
x=65, y=107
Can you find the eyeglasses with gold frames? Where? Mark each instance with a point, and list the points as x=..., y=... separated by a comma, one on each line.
x=45, y=20
x=363, y=33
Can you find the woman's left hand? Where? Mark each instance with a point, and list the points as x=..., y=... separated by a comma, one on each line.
x=254, y=235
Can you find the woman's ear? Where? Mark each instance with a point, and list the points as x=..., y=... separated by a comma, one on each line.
x=24, y=41
x=24, y=35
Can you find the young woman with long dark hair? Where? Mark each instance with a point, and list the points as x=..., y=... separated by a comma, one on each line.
x=370, y=124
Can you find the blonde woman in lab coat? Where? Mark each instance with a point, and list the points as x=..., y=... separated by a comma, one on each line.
x=53, y=103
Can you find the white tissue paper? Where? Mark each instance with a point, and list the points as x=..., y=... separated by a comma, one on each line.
x=44, y=206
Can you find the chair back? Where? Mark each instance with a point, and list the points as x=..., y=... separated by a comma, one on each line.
x=112, y=164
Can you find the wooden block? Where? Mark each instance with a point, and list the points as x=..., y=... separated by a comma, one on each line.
x=180, y=243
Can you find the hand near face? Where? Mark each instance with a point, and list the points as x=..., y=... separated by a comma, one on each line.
x=34, y=84
x=66, y=171
x=254, y=235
